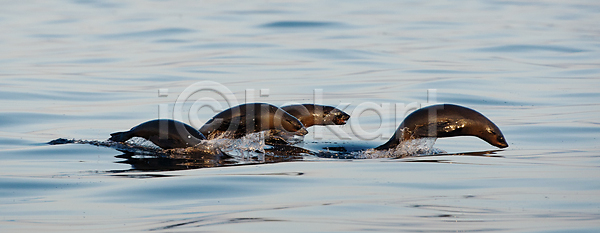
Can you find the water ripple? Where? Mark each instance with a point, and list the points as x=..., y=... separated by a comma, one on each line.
x=335, y=54
x=221, y=46
x=445, y=72
x=57, y=95
x=10, y=187
x=149, y=33
x=301, y=24
x=530, y=48
x=98, y=4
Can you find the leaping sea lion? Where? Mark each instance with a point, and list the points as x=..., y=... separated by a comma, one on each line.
x=446, y=120
x=314, y=114
x=249, y=118
x=309, y=115
x=165, y=133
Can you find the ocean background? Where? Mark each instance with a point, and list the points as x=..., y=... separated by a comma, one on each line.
x=83, y=69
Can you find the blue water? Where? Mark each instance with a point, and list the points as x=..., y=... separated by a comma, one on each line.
x=84, y=69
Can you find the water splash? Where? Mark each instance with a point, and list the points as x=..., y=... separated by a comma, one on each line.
x=143, y=143
x=415, y=147
x=121, y=146
x=252, y=148
x=242, y=147
x=142, y=146
x=281, y=137
x=248, y=148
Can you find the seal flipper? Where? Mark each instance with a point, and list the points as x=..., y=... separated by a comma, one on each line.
x=120, y=136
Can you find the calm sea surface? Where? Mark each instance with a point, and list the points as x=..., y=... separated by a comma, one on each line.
x=83, y=69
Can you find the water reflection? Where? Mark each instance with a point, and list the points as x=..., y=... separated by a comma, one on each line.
x=172, y=163
x=172, y=160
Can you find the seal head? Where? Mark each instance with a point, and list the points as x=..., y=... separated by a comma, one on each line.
x=314, y=114
x=446, y=120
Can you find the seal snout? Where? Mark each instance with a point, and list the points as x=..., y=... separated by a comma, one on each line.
x=119, y=136
x=341, y=119
x=301, y=132
x=493, y=135
x=501, y=142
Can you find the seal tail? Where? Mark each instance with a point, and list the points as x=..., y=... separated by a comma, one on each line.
x=120, y=136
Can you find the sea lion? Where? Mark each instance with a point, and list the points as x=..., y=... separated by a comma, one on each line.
x=314, y=114
x=165, y=133
x=240, y=120
x=446, y=120
x=309, y=115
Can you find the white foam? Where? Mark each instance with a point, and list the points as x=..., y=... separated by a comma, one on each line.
x=245, y=148
x=415, y=147
x=143, y=143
